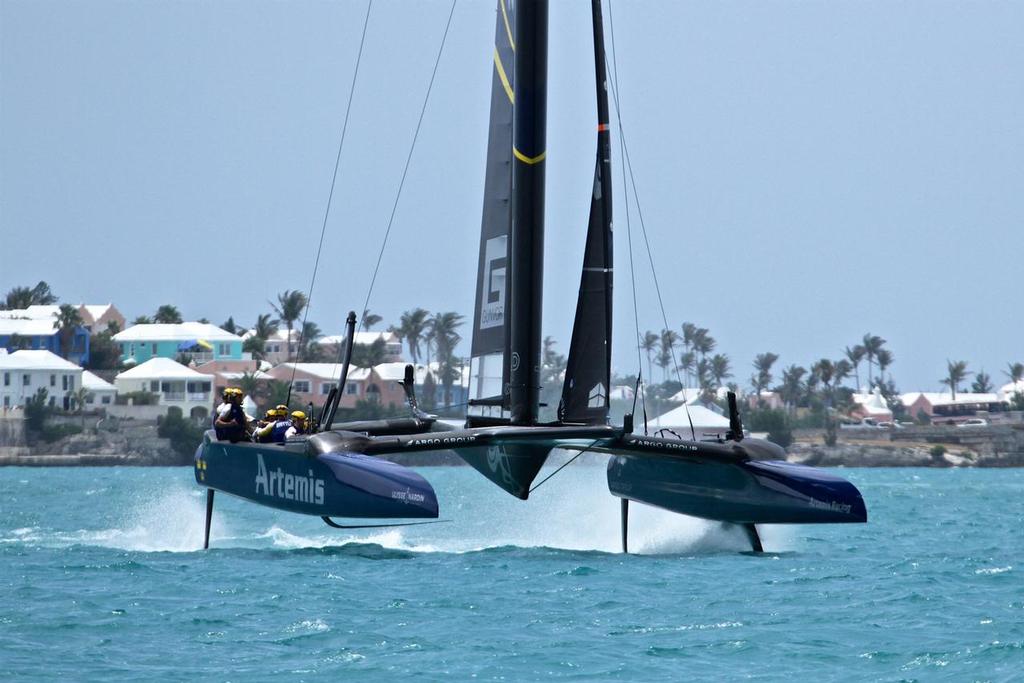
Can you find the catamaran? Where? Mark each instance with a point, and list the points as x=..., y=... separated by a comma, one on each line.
x=339, y=472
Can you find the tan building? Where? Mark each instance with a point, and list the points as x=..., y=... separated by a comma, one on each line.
x=942, y=408
x=314, y=381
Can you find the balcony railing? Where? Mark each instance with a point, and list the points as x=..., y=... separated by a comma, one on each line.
x=193, y=396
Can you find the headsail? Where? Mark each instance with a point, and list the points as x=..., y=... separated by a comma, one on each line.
x=489, y=366
x=587, y=374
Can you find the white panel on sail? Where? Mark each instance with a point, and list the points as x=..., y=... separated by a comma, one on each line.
x=485, y=381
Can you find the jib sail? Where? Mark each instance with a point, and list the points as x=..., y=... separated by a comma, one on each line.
x=587, y=374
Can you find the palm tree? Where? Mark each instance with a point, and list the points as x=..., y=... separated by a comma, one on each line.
x=792, y=385
x=142, y=320
x=825, y=370
x=762, y=378
x=720, y=368
x=956, y=372
x=703, y=342
x=369, y=319
x=648, y=343
x=18, y=298
x=689, y=333
x=1015, y=371
x=229, y=325
x=265, y=328
x=855, y=355
x=288, y=308
x=982, y=383
x=310, y=352
x=67, y=321
x=446, y=337
x=23, y=297
x=842, y=369
x=687, y=363
x=412, y=326
x=669, y=339
x=884, y=359
x=872, y=345
x=369, y=355
x=167, y=314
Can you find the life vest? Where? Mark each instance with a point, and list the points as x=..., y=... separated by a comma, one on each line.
x=277, y=434
x=236, y=430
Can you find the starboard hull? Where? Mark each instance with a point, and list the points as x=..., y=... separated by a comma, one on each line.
x=744, y=492
x=333, y=484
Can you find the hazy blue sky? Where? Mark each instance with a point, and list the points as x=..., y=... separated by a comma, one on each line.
x=809, y=171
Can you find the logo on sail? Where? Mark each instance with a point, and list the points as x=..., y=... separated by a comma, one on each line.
x=492, y=296
x=597, y=397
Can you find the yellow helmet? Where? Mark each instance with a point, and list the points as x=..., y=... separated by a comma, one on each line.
x=281, y=409
x=298, y=414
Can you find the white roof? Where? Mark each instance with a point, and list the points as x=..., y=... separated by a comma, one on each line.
x=27, y=328
x=161, y=368
x=873, y=403
x=94, y=383
x=701, y=416
x=97, y=311
x=28, y=359
x=1009, y=389
x=944, y=398
x=366, y=338
x=49, y=311
x=328, y=371
x=396, y=371
x=175, y=332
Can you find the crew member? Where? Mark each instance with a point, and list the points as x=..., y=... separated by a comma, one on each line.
x=230, y=423
x=263, y=432
x=298, y=425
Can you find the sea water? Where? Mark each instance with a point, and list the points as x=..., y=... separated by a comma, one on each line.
x=102, y=578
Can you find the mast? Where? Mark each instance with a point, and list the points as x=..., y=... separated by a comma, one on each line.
x=588, y=370
x=529, y=146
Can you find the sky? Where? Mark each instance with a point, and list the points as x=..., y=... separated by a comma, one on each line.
x=808, y=172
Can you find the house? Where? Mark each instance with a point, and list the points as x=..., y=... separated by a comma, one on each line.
x=621, y=392
x=23, y=373
x=313, y=382
x=392, y=344
x=942, y=408
x=96, y=318
x=198, y=342
x=1007, y=391
x=173, y=383
x=871, y=405
x=277, y=348
x=229, y=373
x=39, y=334
x=101, y=392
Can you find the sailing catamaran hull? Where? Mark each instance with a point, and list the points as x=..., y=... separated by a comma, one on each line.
x=745, y=492
x=334, y=484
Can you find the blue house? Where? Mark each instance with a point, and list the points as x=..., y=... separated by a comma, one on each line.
x=191, y=341
x=19, y=333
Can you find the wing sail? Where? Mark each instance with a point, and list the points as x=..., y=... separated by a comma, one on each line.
x=489, y=366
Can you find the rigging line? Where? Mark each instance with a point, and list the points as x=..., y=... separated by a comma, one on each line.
x=330, y=195
x=640, y=215
x=629, y=238
x=408, y=160
x=563, y=466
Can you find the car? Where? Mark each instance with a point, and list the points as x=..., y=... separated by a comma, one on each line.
x=974, y=422
x=890, y=425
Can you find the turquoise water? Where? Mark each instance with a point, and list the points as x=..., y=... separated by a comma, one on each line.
x=101, y=579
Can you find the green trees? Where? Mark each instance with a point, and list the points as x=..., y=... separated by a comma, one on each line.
x=289, y=307
x=855, y=354
x=23, y=297
x=368, y=319
x=648, y=343
x=1015, y=371
x=956, y=372
x=67, y=321
x=412, y=326
x=167, y=315
x=982, y=383
x=444, y=327
x=872, y=345
x=762, y=377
